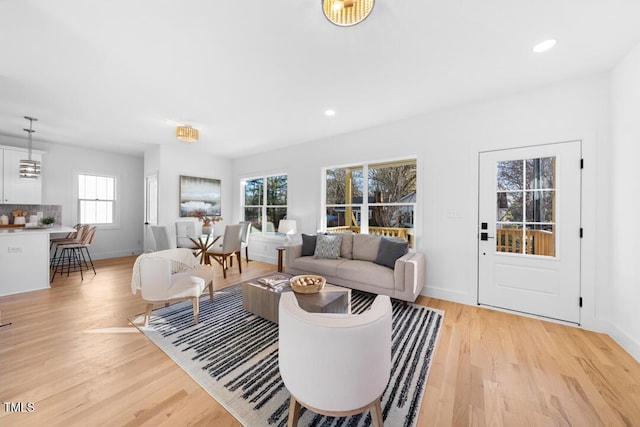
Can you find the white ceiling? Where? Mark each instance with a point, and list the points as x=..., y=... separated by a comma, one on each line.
x=254, y=75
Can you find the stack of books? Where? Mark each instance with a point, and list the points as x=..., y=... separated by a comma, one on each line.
x=277, y=282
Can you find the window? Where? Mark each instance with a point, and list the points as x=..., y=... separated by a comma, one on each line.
x=96, y=199
x=525, y=194
x=265, y=202
x=389, y=205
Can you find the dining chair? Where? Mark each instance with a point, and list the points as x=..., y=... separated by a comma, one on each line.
x=160, y=237
x=184, y=231
x=224, y=252
x=244, y=238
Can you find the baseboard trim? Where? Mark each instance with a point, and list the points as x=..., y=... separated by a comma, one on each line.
x=625, y=340
x=448, y=295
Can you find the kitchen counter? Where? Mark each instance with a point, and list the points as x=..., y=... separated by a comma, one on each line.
x=7, y=231
x=24, y=258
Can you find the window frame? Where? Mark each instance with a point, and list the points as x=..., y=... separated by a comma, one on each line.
x=115, y=223
x=264, y=206
x=366, y=206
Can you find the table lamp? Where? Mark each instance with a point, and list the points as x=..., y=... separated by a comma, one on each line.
x=288, y=228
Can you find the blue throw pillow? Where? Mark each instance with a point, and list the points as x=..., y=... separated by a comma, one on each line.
x=390, y=250
x=308, y=245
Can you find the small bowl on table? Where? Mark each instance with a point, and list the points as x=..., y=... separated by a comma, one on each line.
x=307, y=283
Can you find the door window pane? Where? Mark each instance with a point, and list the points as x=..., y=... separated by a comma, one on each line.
x=510, y=207
x=540, y=173
x=510, y=175
x=540, y=240
x=540, y=206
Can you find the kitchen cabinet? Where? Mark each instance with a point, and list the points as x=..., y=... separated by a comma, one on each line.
x=13, y=189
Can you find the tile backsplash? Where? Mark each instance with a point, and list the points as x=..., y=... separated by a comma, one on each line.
x=47, y=210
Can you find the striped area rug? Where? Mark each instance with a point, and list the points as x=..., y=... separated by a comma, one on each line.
x=233, y=355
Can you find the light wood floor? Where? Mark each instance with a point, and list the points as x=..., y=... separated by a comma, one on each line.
x=72, y=352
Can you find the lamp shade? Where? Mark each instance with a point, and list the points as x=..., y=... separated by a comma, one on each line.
x=187, y=134
x=346, y=13
x=287, y=226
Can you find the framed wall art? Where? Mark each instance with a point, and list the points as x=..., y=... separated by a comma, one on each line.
x=200, y=194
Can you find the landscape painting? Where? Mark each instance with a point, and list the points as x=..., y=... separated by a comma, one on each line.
x=199, y=194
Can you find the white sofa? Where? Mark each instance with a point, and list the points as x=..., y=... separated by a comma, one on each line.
x=355, y=268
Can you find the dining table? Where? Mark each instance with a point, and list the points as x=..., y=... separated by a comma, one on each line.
x=202, y=244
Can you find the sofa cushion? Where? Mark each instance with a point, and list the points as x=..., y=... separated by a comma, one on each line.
x=366, y=272
x=308, y=244
x=328, y=247
x=365, y=247
x=323, y=267
x=390, y=250
x=346, y=248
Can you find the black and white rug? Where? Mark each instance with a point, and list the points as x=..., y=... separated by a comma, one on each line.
x=233, y=355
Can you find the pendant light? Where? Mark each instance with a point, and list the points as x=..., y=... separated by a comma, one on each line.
x=30, y=169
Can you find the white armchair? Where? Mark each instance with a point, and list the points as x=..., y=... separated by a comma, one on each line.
x=334, y=364
x=170, y=275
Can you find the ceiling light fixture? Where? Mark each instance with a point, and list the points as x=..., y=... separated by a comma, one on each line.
x=345, y=13
x=30, y=169
x=187, y=133
x=329, y=113
x=544, y=46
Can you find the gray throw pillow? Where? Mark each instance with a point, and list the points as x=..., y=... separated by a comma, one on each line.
x=308, y=245
x=328, y=247
x=390, y=250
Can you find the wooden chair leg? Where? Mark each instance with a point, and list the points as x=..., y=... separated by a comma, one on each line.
x=376, y=414
x=246, y=254
x=211, y=290
x=294, y=412
x=224, y=266
x=239, y=262
x=147, y=314
x=196, y=309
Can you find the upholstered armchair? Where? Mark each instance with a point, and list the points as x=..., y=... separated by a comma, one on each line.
x=334, y=364
x=170, y=275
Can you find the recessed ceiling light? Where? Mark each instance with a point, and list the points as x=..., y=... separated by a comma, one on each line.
x=544, y=46
x=329, y=113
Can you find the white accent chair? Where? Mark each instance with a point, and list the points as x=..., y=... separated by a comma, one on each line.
x=158, y=284
x=224, y=252
x=333, y=364
x=160, y=238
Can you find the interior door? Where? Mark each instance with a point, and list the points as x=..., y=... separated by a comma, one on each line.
x=150, y=208
x=529, y=230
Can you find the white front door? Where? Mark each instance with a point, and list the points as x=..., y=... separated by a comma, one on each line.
x=529, y=230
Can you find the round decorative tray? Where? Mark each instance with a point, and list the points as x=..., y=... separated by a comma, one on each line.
x=307, y=283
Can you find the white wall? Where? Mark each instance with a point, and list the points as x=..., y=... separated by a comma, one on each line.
x=171, y=161
x=446, y=144
x=60, y=166
x=624, y=286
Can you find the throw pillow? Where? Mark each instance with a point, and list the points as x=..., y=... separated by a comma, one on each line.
x=390, y=250
x=328, y=247
x=308, y=245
